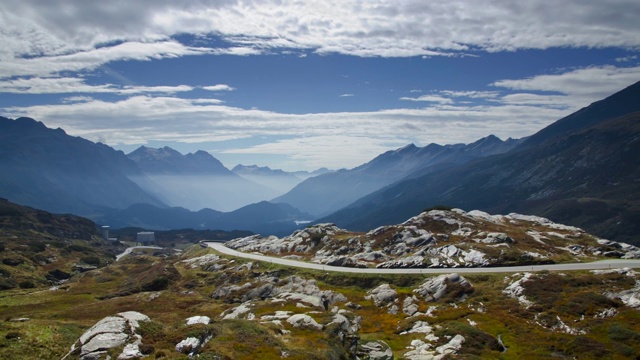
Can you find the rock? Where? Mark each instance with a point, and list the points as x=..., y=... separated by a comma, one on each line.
x=110, y=332
x=383, y=295
x=304, y=320
x=131, y=351
x=198, y=320
x=409, y=305
x=188, y=345
x=452, y=346
x=236, y=312
x=435, y=288
x=201, y=260
x=376, y=350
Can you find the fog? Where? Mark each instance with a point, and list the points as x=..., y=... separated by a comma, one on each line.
x=195, y=192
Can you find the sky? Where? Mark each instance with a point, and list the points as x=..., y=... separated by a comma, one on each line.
x=299, y=85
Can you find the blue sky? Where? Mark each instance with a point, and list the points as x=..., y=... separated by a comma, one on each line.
x=300, y=85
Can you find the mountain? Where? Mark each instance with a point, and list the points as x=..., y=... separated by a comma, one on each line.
x=304, y=175
x=168, y=161
x=263, y=217
x=278, y=180
x=48, y=169
x=39, y=248
x=326, y=193
x=587, y=177
x=195, y=181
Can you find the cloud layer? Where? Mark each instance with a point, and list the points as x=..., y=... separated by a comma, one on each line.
x=51, y=48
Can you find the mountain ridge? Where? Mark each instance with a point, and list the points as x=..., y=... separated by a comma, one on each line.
x=587, y=178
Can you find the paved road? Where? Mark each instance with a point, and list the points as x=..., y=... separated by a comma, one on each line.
x=129, y=249
x=597, y=265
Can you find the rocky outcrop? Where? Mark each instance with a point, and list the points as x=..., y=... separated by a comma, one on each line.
x=434, y=289
x=111, y=332
x=441, y=238
x=383, y=295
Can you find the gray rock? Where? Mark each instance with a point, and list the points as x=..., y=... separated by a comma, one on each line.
x=383, y=295
x=110, y=332
x=304, y=320
x=433, y=289
x=376, y=350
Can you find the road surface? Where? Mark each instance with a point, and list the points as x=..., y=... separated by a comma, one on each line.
x=596, y=265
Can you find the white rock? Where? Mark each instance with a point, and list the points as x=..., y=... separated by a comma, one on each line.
x=304, y=320
x=198, y=320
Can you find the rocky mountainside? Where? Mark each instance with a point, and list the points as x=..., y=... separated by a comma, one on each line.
x=195, y=181
x=327, y=193
x=442, y=238
x=278, y=180
x=51, y=170
x=587, y=178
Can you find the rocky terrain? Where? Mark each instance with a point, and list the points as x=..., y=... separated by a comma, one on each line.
x=442, y=238
x=205, y=305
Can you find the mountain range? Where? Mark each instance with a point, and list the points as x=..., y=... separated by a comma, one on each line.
x=194, y=181
x=324, y=194
x=582, y=170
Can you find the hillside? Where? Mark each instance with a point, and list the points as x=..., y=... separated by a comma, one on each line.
x=324, y=194
x=51, y=170
x=232, y=308
x=40, y=249
x=587, y=178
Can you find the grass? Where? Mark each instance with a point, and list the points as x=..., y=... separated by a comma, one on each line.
x=57, y=318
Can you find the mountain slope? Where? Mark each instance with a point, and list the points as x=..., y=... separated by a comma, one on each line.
x=589, y=178
x=195, y=181
x=329, y=192
x=51, y=170
x=278, y=180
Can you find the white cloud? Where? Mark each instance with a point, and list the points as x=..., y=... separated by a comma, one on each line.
x=219, y=87
x=429, y=98
x=346, y=95
x=582, y=86
x=48, y=37
x=61, y=85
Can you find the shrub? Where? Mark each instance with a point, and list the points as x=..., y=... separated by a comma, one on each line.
x=12, y=261
x=26, y=285
x=12, y=335
x=91, y=260
x=146, y=349
x=37, y=246
x=156, y=284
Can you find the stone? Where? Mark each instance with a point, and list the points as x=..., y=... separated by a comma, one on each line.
x=383, y=295
x=304, y=320
x=187, y=345
x=376, y=350
x=198, y=320
x=435, y=288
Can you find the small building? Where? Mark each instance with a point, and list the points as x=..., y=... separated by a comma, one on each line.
x=146, y=237
x=105, y=234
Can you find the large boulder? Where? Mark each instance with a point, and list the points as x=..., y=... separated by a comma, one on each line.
x=111, y=332
x=383, y=295
x=435, y=288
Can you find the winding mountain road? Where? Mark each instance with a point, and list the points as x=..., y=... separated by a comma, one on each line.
x=596, y=265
